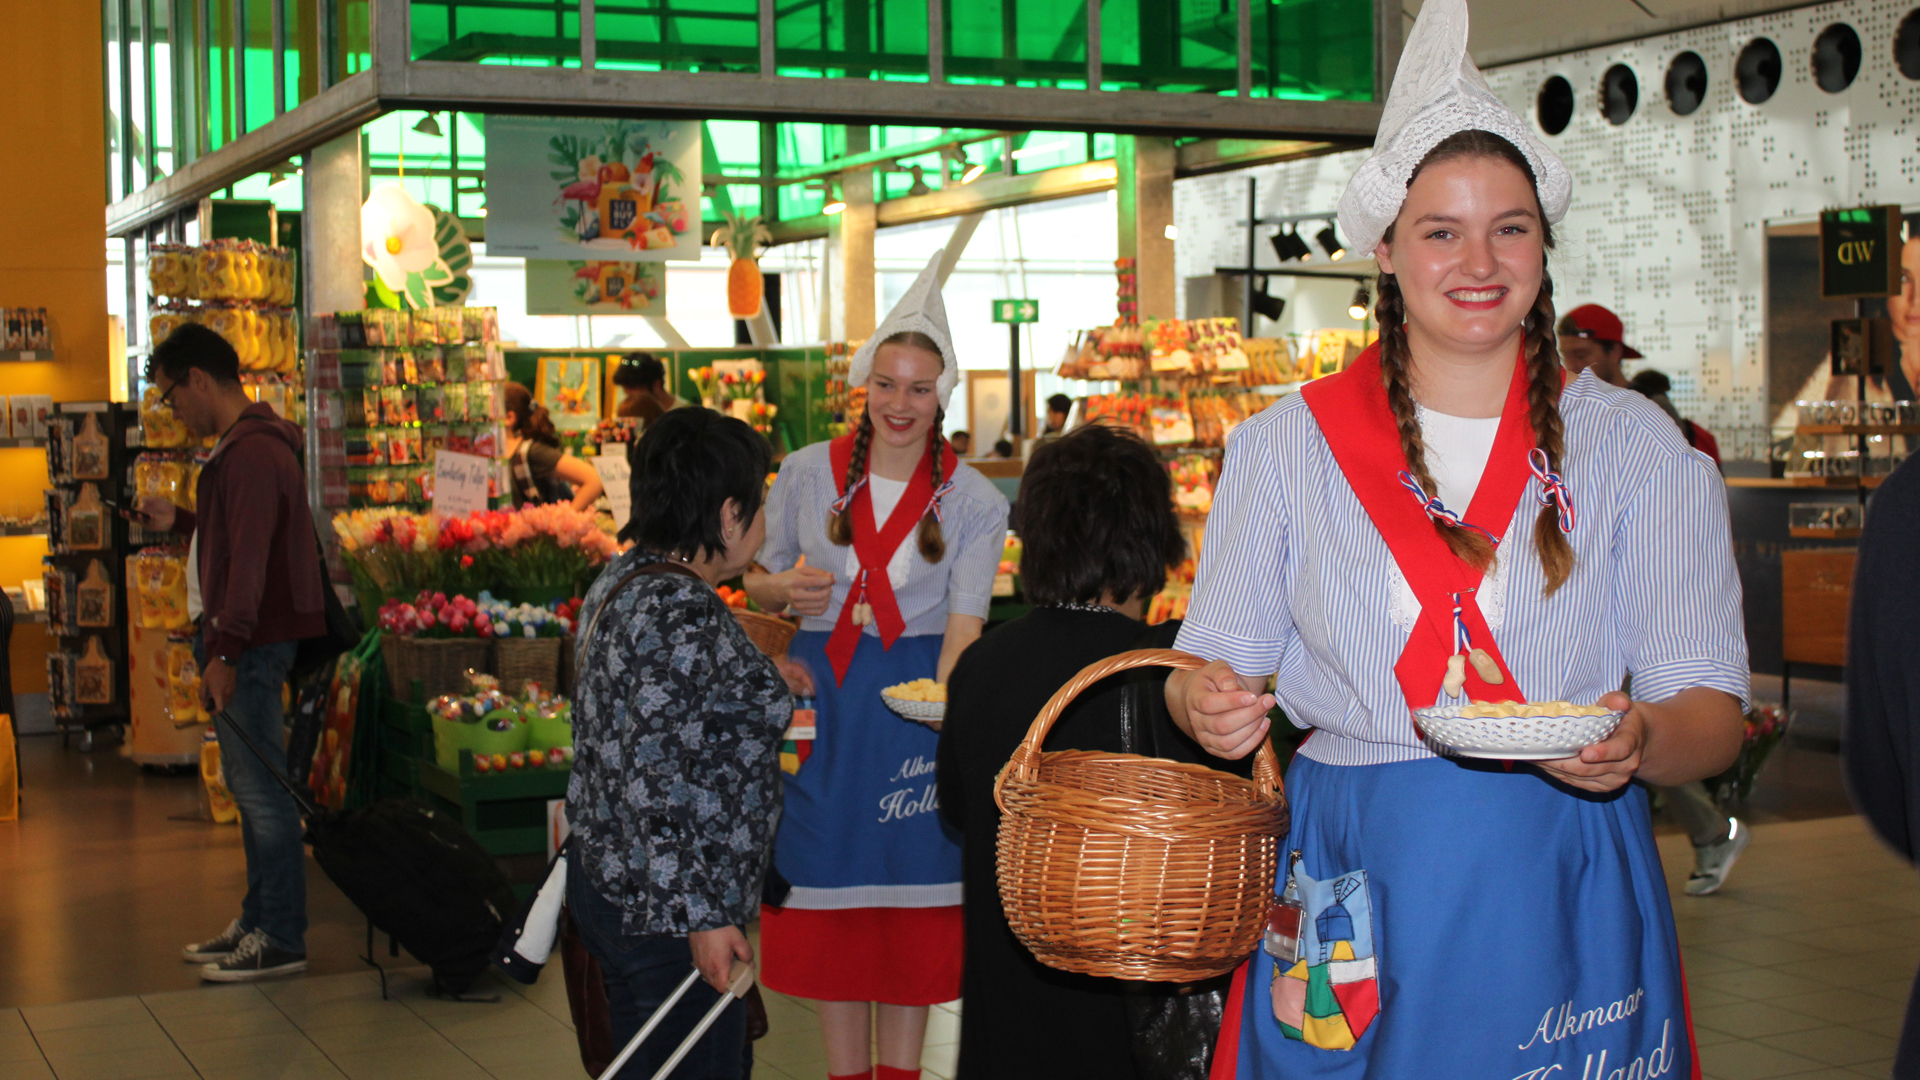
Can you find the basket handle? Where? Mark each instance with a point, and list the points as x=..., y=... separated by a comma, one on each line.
x=1026, y=756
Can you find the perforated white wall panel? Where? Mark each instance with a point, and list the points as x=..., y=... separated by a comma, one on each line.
x=1669, y=212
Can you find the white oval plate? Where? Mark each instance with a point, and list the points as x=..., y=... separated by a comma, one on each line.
x=1514, y=738
x=930, y=713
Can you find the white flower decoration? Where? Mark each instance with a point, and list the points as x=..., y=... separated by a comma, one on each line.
x=396, y=235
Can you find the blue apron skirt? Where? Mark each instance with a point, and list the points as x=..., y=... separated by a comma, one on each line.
x=1465, y=921
x=874, y=911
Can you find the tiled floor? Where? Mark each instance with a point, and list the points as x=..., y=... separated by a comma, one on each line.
x=1799, y=968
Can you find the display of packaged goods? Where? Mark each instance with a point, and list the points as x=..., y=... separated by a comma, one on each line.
x=263, y=336
x=381, y=328
x=222, y=270
x=159, y=580
x=183, y=685
x=25, y=329
x=159, y=427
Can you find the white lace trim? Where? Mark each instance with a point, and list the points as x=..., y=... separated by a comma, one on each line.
x=1404, y=608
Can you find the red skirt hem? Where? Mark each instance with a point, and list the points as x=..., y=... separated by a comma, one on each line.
x=895, y=956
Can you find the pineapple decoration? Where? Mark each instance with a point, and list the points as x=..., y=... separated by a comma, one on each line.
x=745, y=238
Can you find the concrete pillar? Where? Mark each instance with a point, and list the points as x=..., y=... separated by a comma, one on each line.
x=333, y=187
x=1145, y=206
x=853, y=238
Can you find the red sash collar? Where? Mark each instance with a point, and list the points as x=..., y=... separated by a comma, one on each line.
x=1354, y=417
x=874, y=546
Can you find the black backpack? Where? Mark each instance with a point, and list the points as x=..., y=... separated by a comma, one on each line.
x=414, y=872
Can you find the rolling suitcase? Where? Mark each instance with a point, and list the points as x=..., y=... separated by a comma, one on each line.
x=413, y=871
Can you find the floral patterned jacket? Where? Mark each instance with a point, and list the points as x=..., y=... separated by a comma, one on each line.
x=677, y=722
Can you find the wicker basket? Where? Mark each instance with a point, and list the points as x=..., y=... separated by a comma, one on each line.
x=439, y=664
x=1134, y=867
x=770, y=632
x=521, y=660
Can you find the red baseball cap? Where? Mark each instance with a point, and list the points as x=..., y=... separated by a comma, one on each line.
x=1595, y=322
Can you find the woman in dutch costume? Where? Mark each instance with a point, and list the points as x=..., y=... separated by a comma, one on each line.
x=888, y=547
x=1451, y=519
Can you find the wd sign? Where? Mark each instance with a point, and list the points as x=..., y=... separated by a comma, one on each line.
x=1860, y=252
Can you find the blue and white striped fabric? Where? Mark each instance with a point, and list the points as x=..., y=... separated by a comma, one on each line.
x=1294, y=578
x=975, y=529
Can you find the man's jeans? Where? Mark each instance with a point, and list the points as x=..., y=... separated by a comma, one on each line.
x=269, y=818
x=641, y=971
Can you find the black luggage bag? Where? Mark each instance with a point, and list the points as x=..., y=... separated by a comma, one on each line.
x=414, y=872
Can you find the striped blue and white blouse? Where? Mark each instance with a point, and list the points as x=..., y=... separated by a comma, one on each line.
x=961, y=583
x=1295, y=580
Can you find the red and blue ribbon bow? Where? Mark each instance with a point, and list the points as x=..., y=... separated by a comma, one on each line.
x=1438, y=511
x=1553, y=489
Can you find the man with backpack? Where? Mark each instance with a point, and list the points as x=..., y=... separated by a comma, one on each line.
x=254, y=582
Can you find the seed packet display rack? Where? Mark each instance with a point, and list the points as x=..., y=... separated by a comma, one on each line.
x=89, y=463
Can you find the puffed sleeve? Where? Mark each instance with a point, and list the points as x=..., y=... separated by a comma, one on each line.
x=977, y=538
x=1239, y=610
x=1676, y=592
x=781, y=549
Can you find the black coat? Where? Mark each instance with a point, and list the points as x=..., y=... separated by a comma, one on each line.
x=1883, y=687
x=1025, y=1019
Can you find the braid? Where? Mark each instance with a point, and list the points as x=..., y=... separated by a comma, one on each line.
x=1395, y=362
x=840, y=526
x=1543, y=412
x=933, y=545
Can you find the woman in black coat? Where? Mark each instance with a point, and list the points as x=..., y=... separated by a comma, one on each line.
x=1097, y=523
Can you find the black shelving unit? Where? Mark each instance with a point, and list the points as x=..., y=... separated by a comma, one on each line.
x=120, y=424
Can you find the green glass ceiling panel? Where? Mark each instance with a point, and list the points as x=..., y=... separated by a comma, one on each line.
x=1023, y=42
x=862, y=39
x=1313, y=49
x=679, y=35
x=532, y=32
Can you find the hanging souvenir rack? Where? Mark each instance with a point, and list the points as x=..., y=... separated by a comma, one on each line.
x=90, y=449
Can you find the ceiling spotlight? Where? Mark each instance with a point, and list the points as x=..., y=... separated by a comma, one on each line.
x=919, y=186
x=834, y=207
x=428, y=126
x=1357, y=311
x=1330, y=243
x=1265, y=304
x=1288, y=246
x=973, y=172
x=280, y=178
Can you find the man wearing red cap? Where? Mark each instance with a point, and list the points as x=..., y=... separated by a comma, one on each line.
x=1590, y=337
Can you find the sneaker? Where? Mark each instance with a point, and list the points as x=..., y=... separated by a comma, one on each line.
x=1712, y=864
x=254, y=958
x=215, y=948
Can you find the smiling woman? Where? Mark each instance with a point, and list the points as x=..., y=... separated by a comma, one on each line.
x=1372, y=597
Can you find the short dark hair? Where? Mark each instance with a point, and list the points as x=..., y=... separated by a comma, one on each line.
x=194, y=346
x=1003, y=447
x=685, y=468
x=1651, y=382
x=960, y=435
x=1095, y=516
x=1060, y=403
x=639, y=371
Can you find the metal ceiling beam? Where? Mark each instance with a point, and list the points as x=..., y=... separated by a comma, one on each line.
x=338, y=109
x=500, y=88
x=1221, y=155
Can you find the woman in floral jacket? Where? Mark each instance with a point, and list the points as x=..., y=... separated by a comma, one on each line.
x=677, y=726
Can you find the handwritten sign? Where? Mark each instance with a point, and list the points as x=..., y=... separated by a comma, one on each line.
x=459, y=483
x=616, y=476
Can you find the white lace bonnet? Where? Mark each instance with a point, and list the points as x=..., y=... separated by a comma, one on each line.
x=1438, y=92
x=921, y=309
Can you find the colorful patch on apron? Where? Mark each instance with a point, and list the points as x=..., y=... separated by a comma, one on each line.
x=796, y=746
x=1331, y=994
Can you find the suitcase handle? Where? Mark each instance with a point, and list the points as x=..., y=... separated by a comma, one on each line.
x=742, y=981
x=300, y=798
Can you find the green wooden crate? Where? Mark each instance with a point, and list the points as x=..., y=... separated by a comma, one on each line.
x=505, y=812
